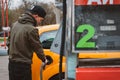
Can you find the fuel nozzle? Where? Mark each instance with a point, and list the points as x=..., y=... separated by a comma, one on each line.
x=49, y=58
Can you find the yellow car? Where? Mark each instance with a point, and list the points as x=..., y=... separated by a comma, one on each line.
x=47, y=35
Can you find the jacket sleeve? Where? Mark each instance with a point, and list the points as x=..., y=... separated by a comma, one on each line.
x=36, y=44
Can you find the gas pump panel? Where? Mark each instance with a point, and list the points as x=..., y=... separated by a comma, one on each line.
x=97, y=25
x=97, y=28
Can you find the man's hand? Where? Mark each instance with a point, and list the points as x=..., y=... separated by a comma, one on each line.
x=44, y=64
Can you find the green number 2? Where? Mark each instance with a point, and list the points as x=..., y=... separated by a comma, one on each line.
x=83, y=42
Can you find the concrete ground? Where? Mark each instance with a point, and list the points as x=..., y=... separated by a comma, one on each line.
x=4, y=68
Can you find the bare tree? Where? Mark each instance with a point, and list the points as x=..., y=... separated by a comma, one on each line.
x=9, y=3
x=50, y=17
x=16, y=12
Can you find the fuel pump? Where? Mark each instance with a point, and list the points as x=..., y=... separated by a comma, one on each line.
x=94, y=31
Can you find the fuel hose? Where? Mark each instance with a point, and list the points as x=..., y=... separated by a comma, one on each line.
x=62, y=39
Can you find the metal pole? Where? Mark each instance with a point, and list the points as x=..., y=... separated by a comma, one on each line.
x=63, y=39
x=6, y=13
x=2, y=12
x=6, y=25
x=1, y=6
x=71, y=58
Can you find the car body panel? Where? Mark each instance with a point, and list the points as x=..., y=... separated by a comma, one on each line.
x=99, y=55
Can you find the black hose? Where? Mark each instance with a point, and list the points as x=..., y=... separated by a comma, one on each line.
x=63, y=39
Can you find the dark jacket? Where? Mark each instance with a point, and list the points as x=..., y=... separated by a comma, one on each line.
x=24, y=40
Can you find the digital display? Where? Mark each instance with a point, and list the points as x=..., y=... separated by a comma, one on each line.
x=97, y=27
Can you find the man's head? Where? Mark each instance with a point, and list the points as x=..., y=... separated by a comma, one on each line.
x=38, y=13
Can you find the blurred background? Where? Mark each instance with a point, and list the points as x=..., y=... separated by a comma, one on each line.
x=10, y=10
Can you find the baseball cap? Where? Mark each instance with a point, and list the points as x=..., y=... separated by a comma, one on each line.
x=38, y=10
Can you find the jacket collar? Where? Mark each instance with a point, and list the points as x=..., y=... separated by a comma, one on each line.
x=27, y=18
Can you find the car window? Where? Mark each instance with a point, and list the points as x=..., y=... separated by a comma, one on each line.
x=47, y=38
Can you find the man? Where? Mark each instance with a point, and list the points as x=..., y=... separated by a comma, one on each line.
x=22, y=42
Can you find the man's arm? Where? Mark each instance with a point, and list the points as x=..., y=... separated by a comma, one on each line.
x=36, y=44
